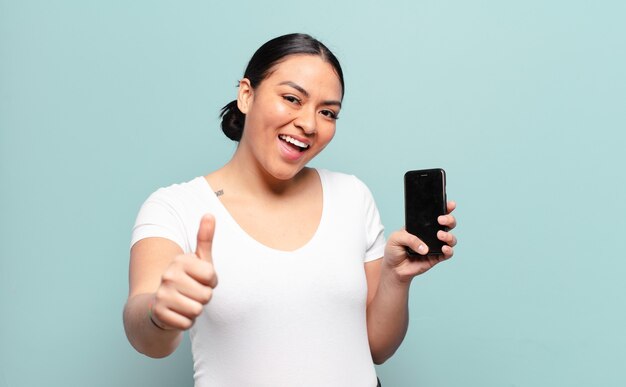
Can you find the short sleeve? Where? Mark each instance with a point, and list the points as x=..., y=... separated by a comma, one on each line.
x=375, y=232
x=158, y=217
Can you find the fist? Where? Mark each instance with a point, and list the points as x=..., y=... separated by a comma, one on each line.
x=187, y=284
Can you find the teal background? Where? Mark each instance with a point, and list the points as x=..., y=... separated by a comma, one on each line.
x=522, y=102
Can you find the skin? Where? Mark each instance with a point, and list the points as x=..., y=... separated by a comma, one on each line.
x=268, y=179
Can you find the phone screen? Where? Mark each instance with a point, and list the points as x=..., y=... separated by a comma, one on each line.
x=425, y=201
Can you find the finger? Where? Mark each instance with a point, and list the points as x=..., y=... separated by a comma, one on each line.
x=447, y=220
x=205, y=238
x=451, y=205
x=203, y=272
x=169, y=319
x=447, y=238
x=185, y=306
x=447, y=251
x=203, y=295
x=196, y=285
x=188, y=268
x=409, y=240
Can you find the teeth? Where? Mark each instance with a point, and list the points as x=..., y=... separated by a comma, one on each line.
x=293, y=141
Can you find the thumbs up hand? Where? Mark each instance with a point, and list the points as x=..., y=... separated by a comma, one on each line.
x=187, y=283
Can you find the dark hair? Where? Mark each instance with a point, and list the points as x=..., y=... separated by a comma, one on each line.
x=262, y=62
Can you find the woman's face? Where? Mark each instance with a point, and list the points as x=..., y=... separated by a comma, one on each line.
x=291, y=115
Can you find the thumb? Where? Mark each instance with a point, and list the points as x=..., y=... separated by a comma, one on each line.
x=205, y=238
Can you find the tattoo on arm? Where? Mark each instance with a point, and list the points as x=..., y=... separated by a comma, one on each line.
x=219, y=193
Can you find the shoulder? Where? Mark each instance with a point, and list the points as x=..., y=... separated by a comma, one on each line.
x=342, y=181
x=345, y=189
x=197, y=187
x=173, y=212
x=339, y=178
x=183, y=200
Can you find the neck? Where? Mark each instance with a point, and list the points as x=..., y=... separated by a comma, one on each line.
x=248, y=176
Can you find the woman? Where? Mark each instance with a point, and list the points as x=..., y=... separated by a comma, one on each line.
x=309, y=292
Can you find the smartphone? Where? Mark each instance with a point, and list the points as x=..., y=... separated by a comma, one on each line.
x=424, y=201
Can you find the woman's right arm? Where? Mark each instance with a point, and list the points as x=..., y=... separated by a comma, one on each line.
x=168, y=290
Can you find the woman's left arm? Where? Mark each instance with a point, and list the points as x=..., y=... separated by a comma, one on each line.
x=388, y=282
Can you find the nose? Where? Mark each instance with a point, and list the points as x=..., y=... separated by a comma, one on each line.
x=306, y=121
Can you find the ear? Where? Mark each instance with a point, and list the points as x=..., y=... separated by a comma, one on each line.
x=245, y=95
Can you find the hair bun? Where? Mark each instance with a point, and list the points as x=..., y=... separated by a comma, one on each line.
x=232, y=121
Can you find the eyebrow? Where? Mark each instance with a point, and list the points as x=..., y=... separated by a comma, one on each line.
x=306, y=93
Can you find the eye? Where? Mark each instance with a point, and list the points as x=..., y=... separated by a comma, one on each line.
x=292, y=99
x=330, y=114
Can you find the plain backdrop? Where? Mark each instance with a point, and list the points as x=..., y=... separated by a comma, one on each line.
x=522, y=102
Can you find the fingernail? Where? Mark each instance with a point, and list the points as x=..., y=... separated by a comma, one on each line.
x=421, y=249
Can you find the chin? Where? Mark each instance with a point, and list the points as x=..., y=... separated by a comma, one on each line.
x=285, y=173
x=285, y=176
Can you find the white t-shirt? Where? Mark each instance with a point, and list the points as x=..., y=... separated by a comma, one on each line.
x=278, y=318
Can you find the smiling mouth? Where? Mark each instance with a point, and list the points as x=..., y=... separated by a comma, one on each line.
x=299, y=145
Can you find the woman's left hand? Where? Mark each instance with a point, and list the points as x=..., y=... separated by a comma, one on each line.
x=405, y=267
